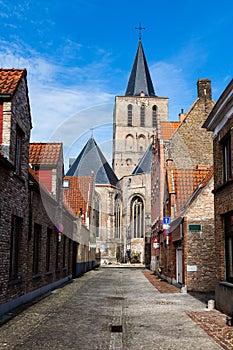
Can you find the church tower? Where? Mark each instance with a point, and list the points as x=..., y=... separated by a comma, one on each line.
x=135, y=117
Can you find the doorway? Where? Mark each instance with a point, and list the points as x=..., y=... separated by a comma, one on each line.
x=179, y=265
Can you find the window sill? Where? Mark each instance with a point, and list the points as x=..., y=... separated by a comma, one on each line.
x=36, y=276
x=49, y=273
x=15, y=281
x=222, y=186
x=226, y=284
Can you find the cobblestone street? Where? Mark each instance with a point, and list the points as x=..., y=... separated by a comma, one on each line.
x=117, y=308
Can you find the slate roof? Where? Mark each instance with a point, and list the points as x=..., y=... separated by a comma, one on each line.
x=92, y=159
x=144, y=166
x=78, y=194
x=9, y=80
x=140, y=79
x=44, y=153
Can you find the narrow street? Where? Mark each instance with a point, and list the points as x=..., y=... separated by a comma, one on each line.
x=109, y=308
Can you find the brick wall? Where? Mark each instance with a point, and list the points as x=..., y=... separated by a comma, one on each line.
x=223, y=197
x=199, y=250
x=191, y=144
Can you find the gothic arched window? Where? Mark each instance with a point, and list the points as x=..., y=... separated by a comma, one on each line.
x=141, y=143
x=117, y=212
x=129, y=142
x=154, y=116
x=130, y=115
x=137, y=217
x=96, y=215
x=142, y=115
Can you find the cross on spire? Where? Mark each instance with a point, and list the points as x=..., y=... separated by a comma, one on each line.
x=140, y=28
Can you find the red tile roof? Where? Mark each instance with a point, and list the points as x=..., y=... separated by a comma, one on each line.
x=38, y=180
x=78, y=194
x=9, y=79
x=44, y=153
x=168, y=129
x=186, y=181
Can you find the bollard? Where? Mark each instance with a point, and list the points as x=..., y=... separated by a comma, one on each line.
x=211, y=304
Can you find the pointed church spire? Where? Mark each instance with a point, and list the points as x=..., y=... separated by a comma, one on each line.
x=140, y=80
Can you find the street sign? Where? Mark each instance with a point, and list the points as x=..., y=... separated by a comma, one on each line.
x=166, y=220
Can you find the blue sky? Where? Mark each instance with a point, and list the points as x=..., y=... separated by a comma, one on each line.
x=79, y=55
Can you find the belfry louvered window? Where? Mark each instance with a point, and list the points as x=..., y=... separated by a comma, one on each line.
x=154, y=116
x=142, y=116
x=130, y=115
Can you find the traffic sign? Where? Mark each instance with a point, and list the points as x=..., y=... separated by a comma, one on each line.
x=166, y=220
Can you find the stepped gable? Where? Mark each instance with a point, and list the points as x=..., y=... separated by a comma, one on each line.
x=140, y=80
x=144, y=166
x=9, y=80
x=92, y=159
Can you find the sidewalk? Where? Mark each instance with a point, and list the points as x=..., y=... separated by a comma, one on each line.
x=213, y=322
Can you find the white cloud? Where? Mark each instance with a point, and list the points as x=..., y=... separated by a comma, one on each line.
x=52, y=103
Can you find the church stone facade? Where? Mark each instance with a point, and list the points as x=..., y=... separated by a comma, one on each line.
x=121, y=205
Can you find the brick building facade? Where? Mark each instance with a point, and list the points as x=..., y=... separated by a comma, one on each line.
x=189, y=149
x=40, y=240
x=220, y=122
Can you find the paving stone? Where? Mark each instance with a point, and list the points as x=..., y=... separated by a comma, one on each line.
x=117, y=309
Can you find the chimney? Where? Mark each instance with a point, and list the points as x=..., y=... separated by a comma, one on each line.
x=204, y=89
x=182, y=115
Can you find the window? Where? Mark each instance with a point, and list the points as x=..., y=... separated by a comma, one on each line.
x=226, y=149
x=66, y=183
x=18, y=150
x=142, y=116
x=64, y=252
x=48, y=249
x=228, y=223
x=96, y=214
x=130, y=115
x=16, y=226
x=137, y=217
x=129, y=142
x=36, y=248
x=69, y=254
x=142, y=143
x=154, y=116
x=57, y=249
x=117, y=217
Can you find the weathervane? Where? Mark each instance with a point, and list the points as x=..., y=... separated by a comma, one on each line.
x=140, y=28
